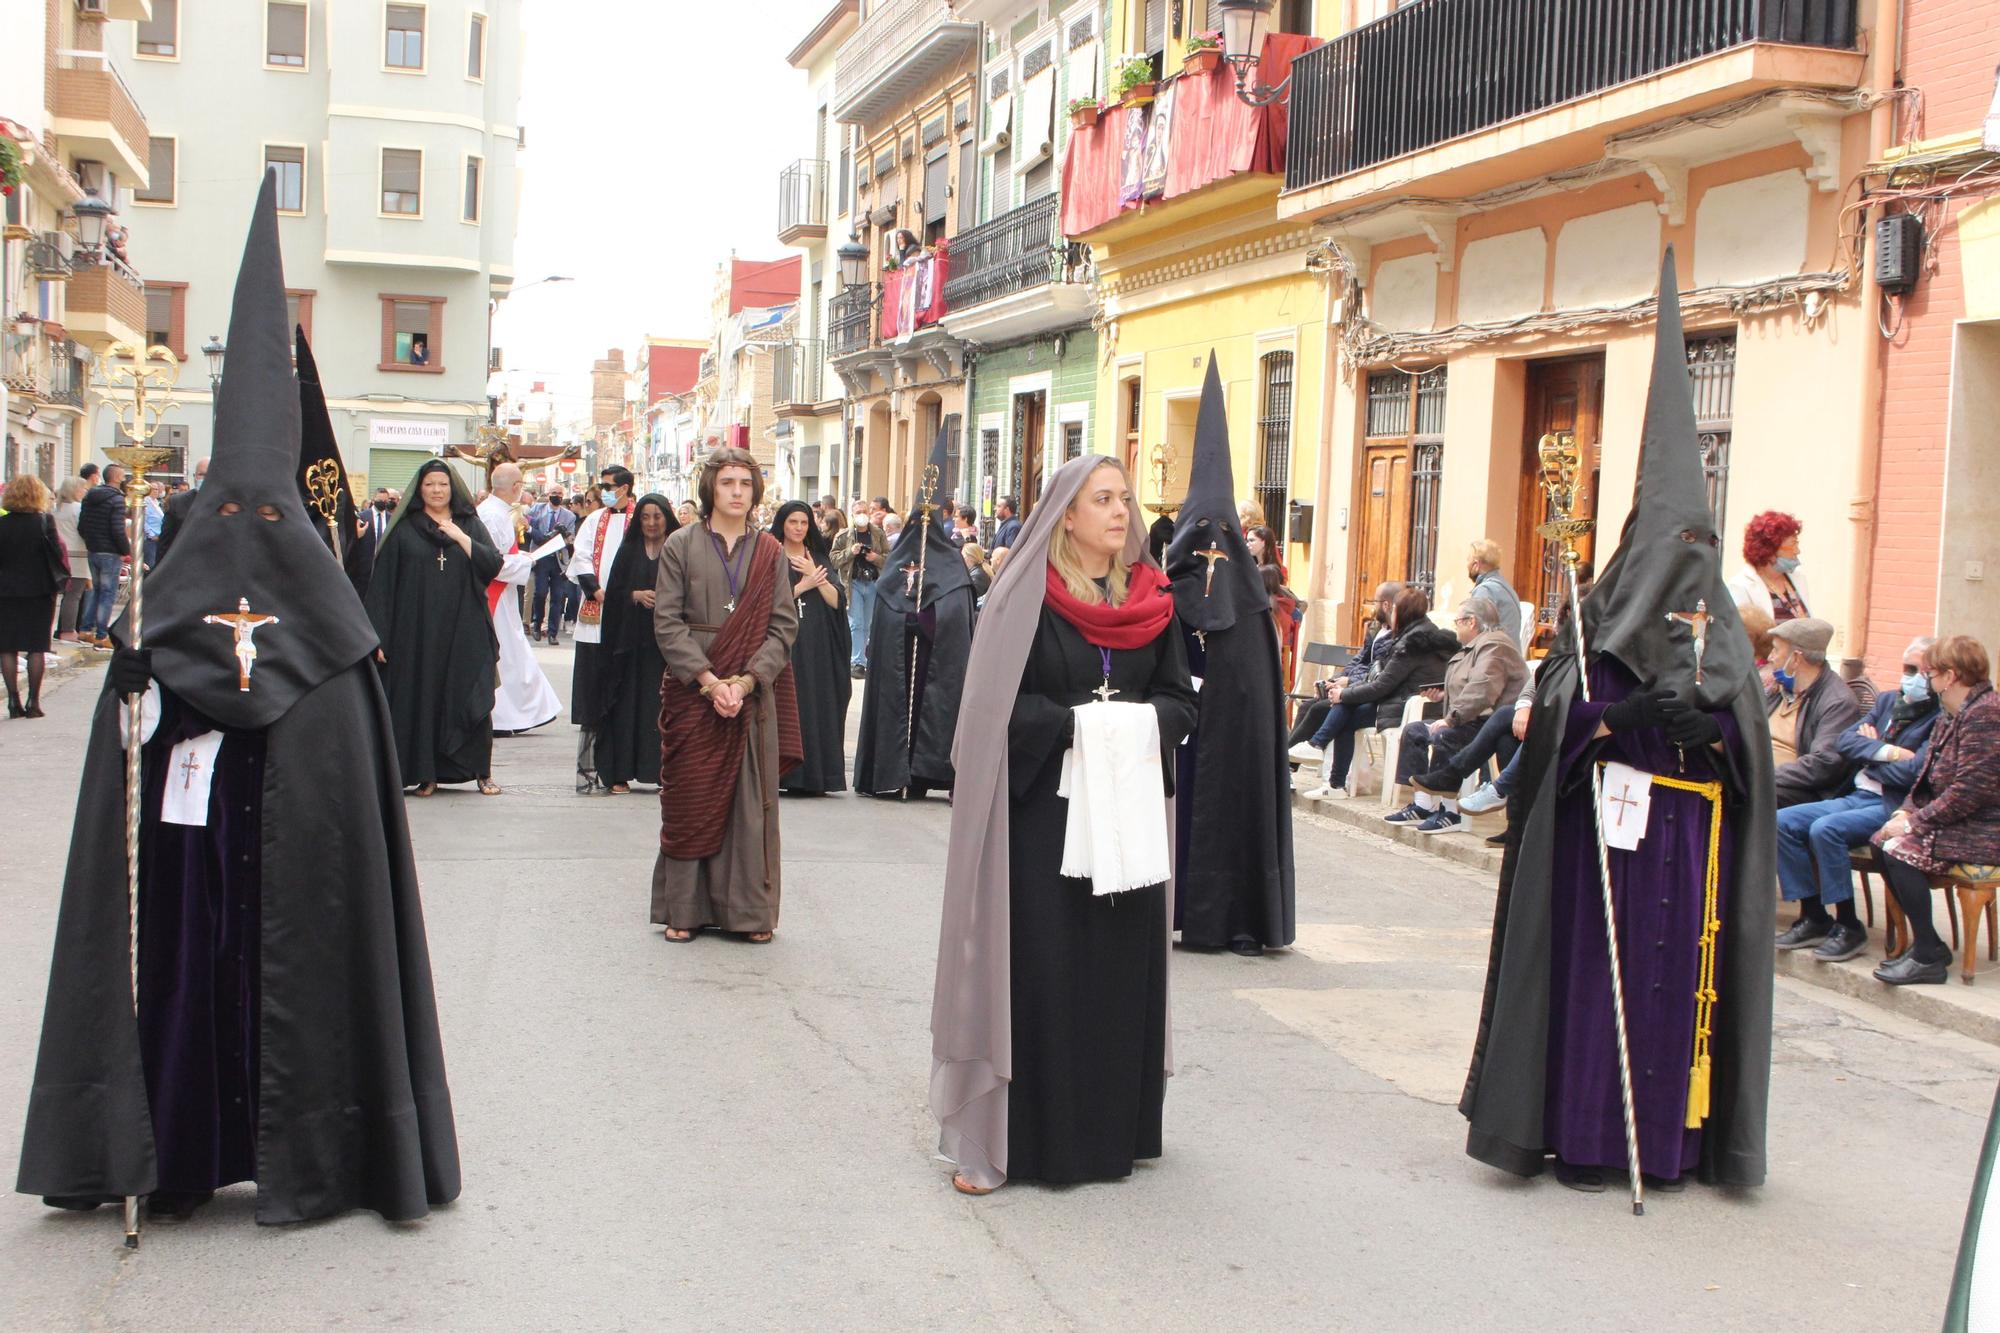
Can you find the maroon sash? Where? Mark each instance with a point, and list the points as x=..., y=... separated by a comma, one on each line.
x=701, y=752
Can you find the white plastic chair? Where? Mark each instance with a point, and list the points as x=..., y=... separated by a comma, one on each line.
x=1392, y=741
x=1527, y=625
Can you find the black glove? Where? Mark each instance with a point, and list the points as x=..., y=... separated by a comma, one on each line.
x=1639, y=709
x=1687, y=726
x=131, y=670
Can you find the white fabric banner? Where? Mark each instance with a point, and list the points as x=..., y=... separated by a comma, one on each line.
x=190, y=771
x=1628, y=799
x=1116, y=833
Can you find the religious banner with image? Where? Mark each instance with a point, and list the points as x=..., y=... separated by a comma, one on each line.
x=1159, y=132
x=1132, y=160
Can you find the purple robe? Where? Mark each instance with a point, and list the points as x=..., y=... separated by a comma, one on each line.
x=198, y=960
x=1658, y=895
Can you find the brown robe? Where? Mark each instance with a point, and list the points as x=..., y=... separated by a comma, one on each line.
x=737, y=888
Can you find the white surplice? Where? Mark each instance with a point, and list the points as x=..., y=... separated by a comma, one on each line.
x=524, y=697
x=587, y=562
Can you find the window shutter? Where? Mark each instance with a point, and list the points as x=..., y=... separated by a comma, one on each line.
x=968, y=178
x=937, y=181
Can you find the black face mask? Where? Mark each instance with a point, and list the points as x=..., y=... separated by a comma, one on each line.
x=384, y=506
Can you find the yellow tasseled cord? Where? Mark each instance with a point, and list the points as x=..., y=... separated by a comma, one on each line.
x=1705, y=994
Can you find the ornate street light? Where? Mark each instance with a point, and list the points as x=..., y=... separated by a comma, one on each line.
x=1245, y=23
x=853, y=261
x=214, y=350
x=93, y=216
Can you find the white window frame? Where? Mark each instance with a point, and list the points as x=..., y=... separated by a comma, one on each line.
x=381, y=188
x=479, y=195
x=137, y=54
x=485, y=48
x=1043, y=382
x=175, y=200
x=383, y=49
x=305, y=179
x=306, y=68
x=1073, y=413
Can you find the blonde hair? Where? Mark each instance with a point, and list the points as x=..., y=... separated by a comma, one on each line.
x=978, y=554
x=1250, y=514
x=1486, y=551
x=1064, y=560
x=25, y=494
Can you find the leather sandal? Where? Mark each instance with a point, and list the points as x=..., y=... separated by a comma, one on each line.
x=675, y=935
x=427, y=789
x=964, y=1186
x=488, y=787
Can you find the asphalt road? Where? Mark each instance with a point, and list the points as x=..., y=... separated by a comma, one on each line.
x=721, y=1135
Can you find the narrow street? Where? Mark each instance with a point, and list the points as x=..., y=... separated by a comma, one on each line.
x=721, y=1135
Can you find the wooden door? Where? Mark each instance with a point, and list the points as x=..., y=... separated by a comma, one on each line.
x=1030, y=428
x=1565, y=395
x=1385, y=523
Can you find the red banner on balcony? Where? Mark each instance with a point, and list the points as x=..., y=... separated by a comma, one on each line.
x=913, y=295
x=1211, y=135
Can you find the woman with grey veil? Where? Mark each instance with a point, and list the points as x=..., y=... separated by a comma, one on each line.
x=1049, y=1038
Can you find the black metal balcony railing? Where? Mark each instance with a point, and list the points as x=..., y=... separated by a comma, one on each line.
x=46, y=258
x=66, y=375
x=798, y=372
x=802, y=196
x=1015, y=252
x=1435, y=70
x=850, y=319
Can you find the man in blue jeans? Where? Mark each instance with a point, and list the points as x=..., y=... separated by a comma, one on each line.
x=101, y=524
x=862, y=561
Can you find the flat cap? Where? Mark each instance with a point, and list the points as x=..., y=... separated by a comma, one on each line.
x=1808, y=635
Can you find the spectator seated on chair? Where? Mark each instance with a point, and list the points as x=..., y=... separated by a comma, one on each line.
x=1415, y=656
x=1949, y=824
x=1375, y=641
x=1814, y=838
x=1810, y=707
x=1486, y=673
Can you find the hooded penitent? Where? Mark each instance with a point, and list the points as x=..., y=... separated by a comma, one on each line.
x=1544, y=1067
x=323, y=481
x=887, y=756
x=1234, y=881
x=285, y=1028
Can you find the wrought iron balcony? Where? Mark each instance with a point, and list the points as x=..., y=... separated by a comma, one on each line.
x=48, y=257
x=851, y=320
x=798, y=376
x=899, y=49
x=67, y=374
x=802, y=202
x=1016, y=252
x=1439, y=69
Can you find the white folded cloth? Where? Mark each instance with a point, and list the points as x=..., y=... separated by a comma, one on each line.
x=1116, y=835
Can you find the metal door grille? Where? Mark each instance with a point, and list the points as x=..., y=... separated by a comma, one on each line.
x=1712, y=372
x=1274, y=434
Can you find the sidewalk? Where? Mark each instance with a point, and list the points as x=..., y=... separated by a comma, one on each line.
x=1972, y=1011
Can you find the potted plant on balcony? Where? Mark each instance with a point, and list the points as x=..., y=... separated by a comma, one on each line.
x=1204, y=53
x=10, y=164
x=1134, y=80
x=1084, y=111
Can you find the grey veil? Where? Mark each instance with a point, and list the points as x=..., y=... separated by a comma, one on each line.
x=972, y=1029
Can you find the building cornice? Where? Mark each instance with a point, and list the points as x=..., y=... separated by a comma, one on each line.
x=828, y=29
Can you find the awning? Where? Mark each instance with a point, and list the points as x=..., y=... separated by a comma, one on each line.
x=1001, y=118
x=1038, y=97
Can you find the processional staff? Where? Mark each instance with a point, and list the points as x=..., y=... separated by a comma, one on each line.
x=925, y=509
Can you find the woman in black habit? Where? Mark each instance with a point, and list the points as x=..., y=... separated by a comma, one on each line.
x=628, y=731
x=439, y=658
x=820, y=653
x=1049, y=1028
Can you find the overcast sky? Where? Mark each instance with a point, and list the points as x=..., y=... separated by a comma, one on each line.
x=656, y=132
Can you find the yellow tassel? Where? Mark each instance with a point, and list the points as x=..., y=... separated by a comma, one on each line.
x=1698, y=1093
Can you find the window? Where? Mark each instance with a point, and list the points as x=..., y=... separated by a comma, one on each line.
x=1274, y=441
x=166, y=316
x=1072, y=432
x=162, y=154
x=1712, y=368
x=412, y=327
x=475, y=171
x=846, y=180
x=288, y=164
x=160, y=35
x=1409, y=409
x=1294, y=16
x=1154, y=27
x=284, y=35
x=403, y=182
x=299, y=310
x=989, y=469
x=475, y=49
x=405, y=37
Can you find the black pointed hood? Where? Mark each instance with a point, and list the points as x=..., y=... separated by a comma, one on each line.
x=280, y=566
x=322, y=475
x=944, y=567
x=1208, y=521
x=1669, y=558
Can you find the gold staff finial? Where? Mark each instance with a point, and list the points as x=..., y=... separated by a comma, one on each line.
x=1163, y=472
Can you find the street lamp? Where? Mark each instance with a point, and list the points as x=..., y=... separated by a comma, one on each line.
x=553, y=277
x=853, y=259
x=1245, y=23
x=93, y=215
x=214, y=351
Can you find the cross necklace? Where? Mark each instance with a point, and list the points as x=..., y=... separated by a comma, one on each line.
x=440, y=560
x=1104, y=691
x=732, y=570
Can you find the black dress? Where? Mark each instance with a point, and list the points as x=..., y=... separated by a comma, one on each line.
x=820, y=677
x=30, y=557
x=630, y=670
x=1089, y=974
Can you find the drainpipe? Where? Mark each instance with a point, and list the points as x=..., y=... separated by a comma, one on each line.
x=1318, y=616
x=1885, y=62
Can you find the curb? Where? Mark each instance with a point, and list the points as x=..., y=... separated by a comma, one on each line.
x=1365, y=813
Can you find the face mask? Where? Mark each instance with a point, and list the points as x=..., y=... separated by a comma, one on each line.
x=1787, y=563
x=383, y=505
x=1915, y=688
x=608, y=496
x=1785, y=679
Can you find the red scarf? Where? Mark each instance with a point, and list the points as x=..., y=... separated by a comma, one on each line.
x=1145, y=612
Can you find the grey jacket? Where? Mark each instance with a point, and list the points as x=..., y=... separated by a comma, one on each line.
x=1487, y=672
x=1826, y=709
x=1493, y=586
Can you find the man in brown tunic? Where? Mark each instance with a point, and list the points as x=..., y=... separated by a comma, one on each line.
x=725, y=621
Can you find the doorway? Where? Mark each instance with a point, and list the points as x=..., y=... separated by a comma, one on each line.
x=1563, y=396
x=1031, y=412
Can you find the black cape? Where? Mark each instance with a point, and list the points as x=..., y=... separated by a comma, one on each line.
x=820, y=676
x=628, y=663
x=1668, y=559
x=437, y=634
x=1234, y=873
x=352, y=1107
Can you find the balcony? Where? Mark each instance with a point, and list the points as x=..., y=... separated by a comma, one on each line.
x=1015, y=277
x=96, y=116
x=901, y=48
x=1448, y=97
x=106, y=302
x=798, y=378
x=43, y=368
x=48, y=256
x=851, y=321
x=802, y=202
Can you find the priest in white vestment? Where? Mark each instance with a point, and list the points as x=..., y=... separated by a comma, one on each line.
x=524, y=698
x=598, y=538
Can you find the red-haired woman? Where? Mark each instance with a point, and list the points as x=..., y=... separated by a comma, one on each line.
x=1773, y=583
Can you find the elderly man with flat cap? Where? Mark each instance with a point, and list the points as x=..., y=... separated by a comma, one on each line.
x=1809, y=706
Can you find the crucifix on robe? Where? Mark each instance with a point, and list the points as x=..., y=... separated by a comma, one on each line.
x=1212, y=554
x=1697, y=621
x=244, y=625
x=1625, y=804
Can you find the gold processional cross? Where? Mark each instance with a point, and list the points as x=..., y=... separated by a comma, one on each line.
x=1212, y=554
x=244, y=625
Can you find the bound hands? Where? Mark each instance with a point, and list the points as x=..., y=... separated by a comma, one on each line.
x=725, y=694
x=644, y=597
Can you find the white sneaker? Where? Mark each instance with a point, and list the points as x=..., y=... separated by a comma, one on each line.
x=1305, y=752
x=1483, y=801
x=1320, y=794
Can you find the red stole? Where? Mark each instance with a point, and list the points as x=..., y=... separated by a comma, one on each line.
x=1134, y=623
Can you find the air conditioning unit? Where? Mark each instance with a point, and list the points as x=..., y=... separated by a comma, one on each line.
x=494, y=364
x=93, y=7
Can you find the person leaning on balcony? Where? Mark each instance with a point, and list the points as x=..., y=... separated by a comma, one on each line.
x=1950, y=822
x=1814, y=838
x=1487, y=674
x=1773, y=583
x=1809, y=707
x=1415, y=657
